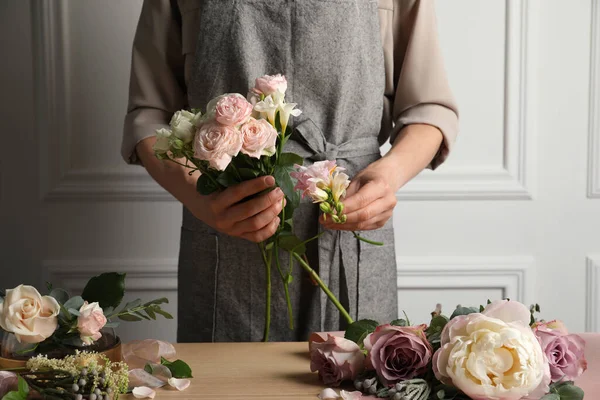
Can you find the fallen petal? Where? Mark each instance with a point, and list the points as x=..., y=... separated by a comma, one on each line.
x=143, y=392
x=179, y=384
x=139, y=377
x=350, y=395
x=328, y=394
x=160, y=371
x=139, y=352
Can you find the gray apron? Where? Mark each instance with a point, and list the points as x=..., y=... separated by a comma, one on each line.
x=331, y=54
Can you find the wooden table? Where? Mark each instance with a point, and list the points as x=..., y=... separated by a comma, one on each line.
x=282, y=371
x=246, y=371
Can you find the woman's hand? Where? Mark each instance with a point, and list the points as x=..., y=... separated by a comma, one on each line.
x=370, y=201
x=254, y=220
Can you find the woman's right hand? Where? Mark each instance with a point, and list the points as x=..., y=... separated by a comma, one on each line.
x=255, y=220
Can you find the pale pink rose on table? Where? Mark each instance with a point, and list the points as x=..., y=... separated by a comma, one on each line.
x=90, y=321
x=565, y=352
x=217, y=144
x=258, y=138
x=233, y=110
x=270, y=84
x=337, y=359
x=398, y=353
x=31, y=317
x=493, y=354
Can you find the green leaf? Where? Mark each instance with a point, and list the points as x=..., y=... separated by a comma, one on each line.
x=23, y=387
x=162, y=300
x=150, y=313
x=358, y=330
x=286, y=183
x=437, y=324
x=463, y=311
x=289, y=242
x=132, y=304
x=107, y=289
x=228, y=177
x=139, y=314
x=178, y=368
x=148, y=368
x=162, y=312
x=74, y=312
x=205, y=185
x=248, y=173
x=60, y=295
x=129, y=317
x=570, y=392
x=14, y=396
x=399, y=322
x=289, y=279
x=290, y=159
x=551, y=396
x=111, y=325
x=74, y=303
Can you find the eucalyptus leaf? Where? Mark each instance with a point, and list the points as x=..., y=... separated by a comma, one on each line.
x=107, y=289
x=74, y=312
x=551, y=396
x=132, y=304
x=129, y=317
x=358, y=330
x=150, y=313
x=205, y=185
x=111, y=325
x=178, y=368
x=139, y=314
x=460, y=310
x=60, y=295
x=570, y=392
x=162, y=300
x=162, y=312
x=74, y=303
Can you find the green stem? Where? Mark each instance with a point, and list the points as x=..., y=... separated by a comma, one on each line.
x=183, y=165
x=267, y=261
x=284, y=278
x=374, y=243
x=324, y=287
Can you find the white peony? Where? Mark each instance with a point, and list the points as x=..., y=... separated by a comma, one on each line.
x=31, y=317
x=493, y=355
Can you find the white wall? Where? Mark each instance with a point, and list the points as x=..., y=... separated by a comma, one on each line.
x=514, y=213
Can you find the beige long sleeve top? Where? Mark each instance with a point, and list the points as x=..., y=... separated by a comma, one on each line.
x=416, y=89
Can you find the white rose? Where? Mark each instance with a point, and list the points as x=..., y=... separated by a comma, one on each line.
x=163, y=141
x=182, y=125
x=491, y=358
x=31, y=317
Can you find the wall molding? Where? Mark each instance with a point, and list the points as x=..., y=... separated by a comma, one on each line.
x=513, y=275
x=142, y=274
x=594, y=111
x=592, y=303
x=513, y=180
x=59, y=181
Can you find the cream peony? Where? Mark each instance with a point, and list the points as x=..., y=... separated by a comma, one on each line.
x=493, y=354
x=31, y=317
x=258, y=138
x=90, y=321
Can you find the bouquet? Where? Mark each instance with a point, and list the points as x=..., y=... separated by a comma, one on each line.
x=59, y=338
x=239, y=138
x=500, y=351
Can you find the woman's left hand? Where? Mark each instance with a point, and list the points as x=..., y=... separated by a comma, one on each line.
x=370, y=201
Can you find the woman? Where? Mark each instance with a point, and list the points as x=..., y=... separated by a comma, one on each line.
x=362, y=72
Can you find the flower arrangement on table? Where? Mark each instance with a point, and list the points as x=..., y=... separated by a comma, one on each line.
x=500, y=351
x=64, y=347
x=240, y=138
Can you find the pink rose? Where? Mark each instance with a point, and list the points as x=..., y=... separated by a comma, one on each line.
x=90, y=321
x=258, y=138
x=217, y=144
x=270, y=84
x=337, y=359
x=398, y=353
x=565, y=352
x=232, y=110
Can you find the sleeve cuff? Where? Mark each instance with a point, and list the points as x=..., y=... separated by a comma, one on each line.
x=436, y=115
x=140, y=124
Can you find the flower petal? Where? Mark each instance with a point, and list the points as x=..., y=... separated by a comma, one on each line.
x=508, y=311
x=179, y=384
x=139, y=377
x=328, y=394
x=350, y=395
x=143, y=392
